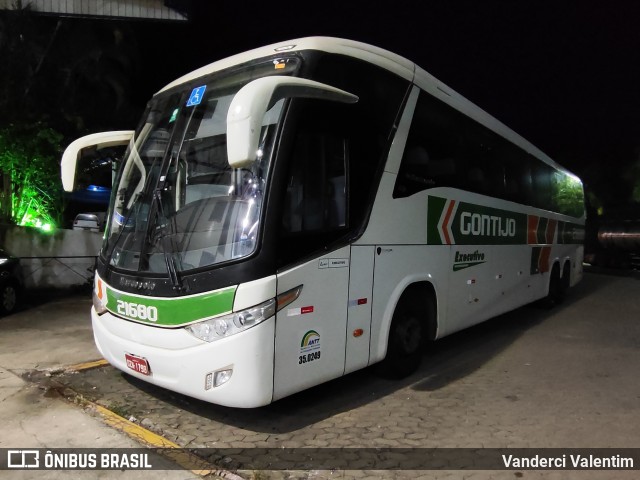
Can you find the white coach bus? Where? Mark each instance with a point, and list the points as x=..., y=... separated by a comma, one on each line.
x=294, y=213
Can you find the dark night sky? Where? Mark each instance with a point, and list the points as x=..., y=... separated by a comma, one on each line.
x=563, y=74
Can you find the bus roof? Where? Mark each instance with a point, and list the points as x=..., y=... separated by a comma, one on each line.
x=384, y=59
x=378, y=56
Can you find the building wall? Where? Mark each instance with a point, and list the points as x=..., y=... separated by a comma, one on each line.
x=143, y=9
x=59, y=259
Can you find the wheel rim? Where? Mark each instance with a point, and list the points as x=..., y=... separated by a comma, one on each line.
x=9, y=298
x=409, y=335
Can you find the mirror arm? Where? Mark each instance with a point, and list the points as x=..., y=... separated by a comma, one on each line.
x=247, y=109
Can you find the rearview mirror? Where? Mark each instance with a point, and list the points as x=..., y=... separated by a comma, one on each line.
x=70, y=156
x=249, y=105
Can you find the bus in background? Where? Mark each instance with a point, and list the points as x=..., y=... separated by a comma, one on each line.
x=297, y=212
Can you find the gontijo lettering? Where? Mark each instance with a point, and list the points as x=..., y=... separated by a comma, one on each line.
x=455, y=222
x=479, y=224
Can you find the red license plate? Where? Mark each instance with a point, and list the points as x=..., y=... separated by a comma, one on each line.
x=137, y=364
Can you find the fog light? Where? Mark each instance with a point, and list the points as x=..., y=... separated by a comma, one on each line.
x=215, y=379
x=221, y=376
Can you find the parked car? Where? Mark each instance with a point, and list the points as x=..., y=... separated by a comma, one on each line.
x=93, y=222
x=11, y=282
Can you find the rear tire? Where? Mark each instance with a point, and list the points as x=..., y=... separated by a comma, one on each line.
x=557, y=292
x=565, y=281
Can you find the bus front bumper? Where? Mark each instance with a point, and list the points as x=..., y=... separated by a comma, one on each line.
x=182, y=363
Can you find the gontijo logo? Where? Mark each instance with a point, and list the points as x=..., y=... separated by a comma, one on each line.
x=487, y=225
x=452, y=222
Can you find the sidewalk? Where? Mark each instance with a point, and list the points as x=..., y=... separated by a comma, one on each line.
x=48, y=337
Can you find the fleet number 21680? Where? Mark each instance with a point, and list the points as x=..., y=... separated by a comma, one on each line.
x=137, y=311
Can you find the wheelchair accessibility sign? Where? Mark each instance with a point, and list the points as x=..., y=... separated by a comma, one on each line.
x=196, y=96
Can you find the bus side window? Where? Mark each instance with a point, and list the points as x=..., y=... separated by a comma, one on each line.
x=434, y=152
x=445, y=148
x=315, y=207
x=414, y=173
x=527, y=193
x=316, y=199
x=542, y=186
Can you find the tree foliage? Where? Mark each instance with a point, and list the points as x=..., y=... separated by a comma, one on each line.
x=29, y=153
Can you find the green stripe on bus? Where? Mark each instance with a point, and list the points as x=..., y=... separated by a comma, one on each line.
x=434, y=212
x=479, y=225
x=170, y=312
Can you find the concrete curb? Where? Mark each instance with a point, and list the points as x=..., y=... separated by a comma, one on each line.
x=78, y=367
x=145, y=437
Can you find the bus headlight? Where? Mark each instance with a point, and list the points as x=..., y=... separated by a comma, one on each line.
x=227, y=325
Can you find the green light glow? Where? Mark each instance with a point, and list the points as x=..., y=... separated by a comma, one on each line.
x=34, y=214
x=30, y=186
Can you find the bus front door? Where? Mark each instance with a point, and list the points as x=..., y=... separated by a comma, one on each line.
x=310, y=332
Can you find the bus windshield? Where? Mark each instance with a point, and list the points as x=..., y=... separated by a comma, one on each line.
x=177, y=204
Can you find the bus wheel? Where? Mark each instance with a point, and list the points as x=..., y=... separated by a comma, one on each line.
x=406, y=339
x=565, y=282
x=556, y=291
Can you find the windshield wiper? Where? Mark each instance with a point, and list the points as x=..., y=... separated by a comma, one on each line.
x=111, y=245
x=165, y=242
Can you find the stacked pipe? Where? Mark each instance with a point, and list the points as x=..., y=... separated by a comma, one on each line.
x=621, y=236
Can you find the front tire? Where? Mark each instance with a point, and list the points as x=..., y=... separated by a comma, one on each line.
x=406, y=340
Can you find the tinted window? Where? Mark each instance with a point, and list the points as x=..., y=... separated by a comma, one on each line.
x=445, y=148
x=316, y=198
x=334, y=162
